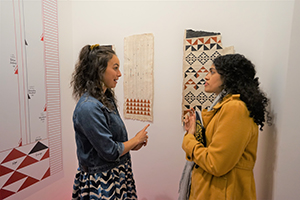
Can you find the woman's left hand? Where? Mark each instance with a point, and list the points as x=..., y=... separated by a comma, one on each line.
x=137, y=147
x=190, y=121
x=142, y=138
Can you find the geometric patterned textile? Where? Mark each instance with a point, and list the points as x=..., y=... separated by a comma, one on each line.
x=116, y=183
x=138, y=77
x=18, y=167
x=200, y=48
x=30, y=125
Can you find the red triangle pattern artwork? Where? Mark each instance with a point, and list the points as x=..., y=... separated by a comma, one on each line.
x=47, y=174
x=29, y=181
x=15, y=177
x=20, y=142
x=5, y=193
x=205, y=43
x=46, y=155
x=138, y=107
x=42, y=37
x=4, y=170
x=214, y=39
x=12, y=174
x=208, y=40
x=189, y=82
x=203, y=70
x=16, y=70
x=14, y=154
x=27, y=161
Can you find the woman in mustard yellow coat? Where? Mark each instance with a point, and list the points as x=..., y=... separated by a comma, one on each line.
x=224, y=164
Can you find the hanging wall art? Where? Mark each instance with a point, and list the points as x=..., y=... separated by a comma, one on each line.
x=30, y=127
x=200, y=48
x=138, y=77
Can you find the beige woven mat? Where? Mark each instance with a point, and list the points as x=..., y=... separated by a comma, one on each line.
x=138, y=77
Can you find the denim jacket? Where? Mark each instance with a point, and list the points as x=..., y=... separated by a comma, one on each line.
x=99, y=134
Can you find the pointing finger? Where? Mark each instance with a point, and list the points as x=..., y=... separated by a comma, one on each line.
x=144, y=129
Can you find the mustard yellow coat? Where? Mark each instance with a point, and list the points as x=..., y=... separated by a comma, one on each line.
x=224, y=168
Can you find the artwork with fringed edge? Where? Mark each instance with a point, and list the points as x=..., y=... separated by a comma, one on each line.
x=138, y=77
x=200, y=48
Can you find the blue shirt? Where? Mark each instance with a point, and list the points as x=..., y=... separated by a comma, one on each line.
x=99, y=134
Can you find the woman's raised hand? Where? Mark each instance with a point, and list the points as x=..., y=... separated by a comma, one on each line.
x=189, y=120
x=142, y=138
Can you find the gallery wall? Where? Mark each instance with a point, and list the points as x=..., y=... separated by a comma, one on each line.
x=288, y=160
x=261, y=30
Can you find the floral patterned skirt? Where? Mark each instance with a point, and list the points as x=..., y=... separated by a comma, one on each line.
x=114, y=184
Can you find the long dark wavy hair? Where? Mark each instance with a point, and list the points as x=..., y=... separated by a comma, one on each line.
x=89, y=72
x=238, y=76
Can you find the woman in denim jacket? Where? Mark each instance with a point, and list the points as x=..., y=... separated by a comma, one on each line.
x=102, y=143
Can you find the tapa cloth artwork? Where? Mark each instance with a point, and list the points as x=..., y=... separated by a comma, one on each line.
x=138, y=77
x=200, y=48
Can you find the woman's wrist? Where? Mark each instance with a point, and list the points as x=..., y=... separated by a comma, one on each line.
x=190, y=132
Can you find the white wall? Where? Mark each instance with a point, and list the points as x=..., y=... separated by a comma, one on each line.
x=259, y=29
x=287, y=174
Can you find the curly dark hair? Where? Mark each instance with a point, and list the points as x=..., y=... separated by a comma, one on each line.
x=238, y=76
x=89, y=71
